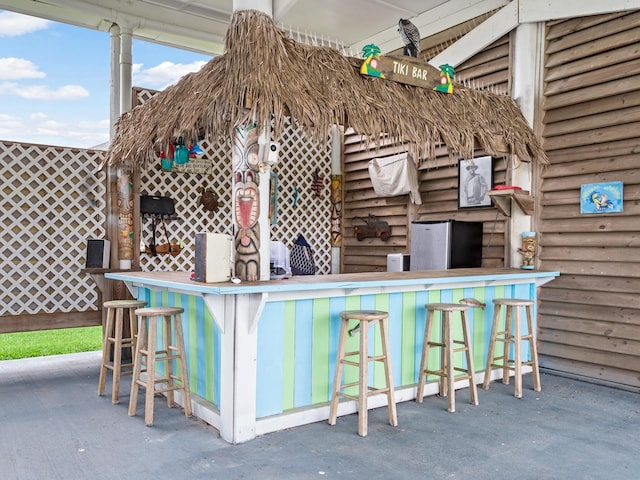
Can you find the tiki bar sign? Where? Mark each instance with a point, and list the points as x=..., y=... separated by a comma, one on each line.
x=407, y=70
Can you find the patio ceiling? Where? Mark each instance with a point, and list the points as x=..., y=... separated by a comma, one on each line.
x=201, y=24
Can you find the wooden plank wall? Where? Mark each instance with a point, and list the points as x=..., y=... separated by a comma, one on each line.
x=438, y=184
x=589, y=318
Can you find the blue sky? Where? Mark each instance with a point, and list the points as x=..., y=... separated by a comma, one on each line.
x=54, y=80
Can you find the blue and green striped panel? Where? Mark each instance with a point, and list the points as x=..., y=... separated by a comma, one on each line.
x=298, y=341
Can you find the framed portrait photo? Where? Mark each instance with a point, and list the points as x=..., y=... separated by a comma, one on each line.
x=475, y=179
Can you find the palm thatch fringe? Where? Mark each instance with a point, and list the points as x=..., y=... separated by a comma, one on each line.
x=264, y=76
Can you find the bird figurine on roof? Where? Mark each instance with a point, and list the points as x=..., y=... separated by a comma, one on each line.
x=410, y=36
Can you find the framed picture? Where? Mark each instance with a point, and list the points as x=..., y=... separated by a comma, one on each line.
x=601, y=198
x=475, y=179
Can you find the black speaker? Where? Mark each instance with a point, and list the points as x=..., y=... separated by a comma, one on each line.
x=98, y=253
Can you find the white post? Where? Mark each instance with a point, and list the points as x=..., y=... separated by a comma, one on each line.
x=125, y=186
x=265, y=6
x=527, y=81
x=114, y=81
x=265, y=198
x=114, y=113
x=126, y=65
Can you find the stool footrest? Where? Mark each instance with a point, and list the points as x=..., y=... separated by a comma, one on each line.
x=122, y=365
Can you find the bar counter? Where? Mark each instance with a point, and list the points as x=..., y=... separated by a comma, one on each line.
x=261, y=355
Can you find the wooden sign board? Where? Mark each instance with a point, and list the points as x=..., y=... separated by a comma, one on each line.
x=409, y=71
x=194, y=165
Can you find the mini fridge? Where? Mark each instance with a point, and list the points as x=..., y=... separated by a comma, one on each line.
x=441, y=245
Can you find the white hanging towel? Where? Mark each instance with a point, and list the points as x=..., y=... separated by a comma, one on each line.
x=395, y=175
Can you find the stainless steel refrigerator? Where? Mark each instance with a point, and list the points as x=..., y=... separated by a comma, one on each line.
x=441, y=245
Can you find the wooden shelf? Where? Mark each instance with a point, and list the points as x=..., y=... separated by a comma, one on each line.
x=502, y=200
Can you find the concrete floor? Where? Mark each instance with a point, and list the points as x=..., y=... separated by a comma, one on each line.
x=53, y=425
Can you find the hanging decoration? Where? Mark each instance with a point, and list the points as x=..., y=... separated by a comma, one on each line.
x=209, y=199
x=180, y=158
x=195, y=151
x=317, y=183
x=336, y=210
x=400, y=69
x=372, y=228
x=181, y=155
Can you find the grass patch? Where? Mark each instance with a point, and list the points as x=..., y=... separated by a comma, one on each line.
x=50, y=342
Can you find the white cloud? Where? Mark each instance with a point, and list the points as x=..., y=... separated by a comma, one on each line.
x=9, y=123
x=46, y=131
x=12, y=68
x=41, y=92
x=94, y=125
x=162, y=75
x=14, y=24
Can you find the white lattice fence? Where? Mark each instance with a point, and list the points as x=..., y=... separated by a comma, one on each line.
x=53, y=199
x=299, y=209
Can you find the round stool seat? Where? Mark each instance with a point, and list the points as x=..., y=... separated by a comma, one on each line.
x=159, y=311
x=514, y=302
x=367, y=315
x=124, y=304
x=447, y=307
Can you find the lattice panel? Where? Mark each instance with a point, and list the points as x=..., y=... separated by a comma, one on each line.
x=310, y=215
x=300, y=208
x=53, y=199
x=186, y=189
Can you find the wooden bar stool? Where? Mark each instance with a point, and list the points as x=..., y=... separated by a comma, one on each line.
x=366, y=319
x=113, y=335
x=447, y=370
x=512, y=323
x=148, y=349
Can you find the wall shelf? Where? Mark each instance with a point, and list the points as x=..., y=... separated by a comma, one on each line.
x=502, y=200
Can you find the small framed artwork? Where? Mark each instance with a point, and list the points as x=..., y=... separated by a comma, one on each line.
x=475, y=179
x=601, y=197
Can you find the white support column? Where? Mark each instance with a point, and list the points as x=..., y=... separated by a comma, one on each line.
x=244, y=370
x=265, y=6
x=265, y=198
x=227, y=370
x=125, y=185
x=114, y=112
x=126, y=66
x=114, y=81
x=527, y=86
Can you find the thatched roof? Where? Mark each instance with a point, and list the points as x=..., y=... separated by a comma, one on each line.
x=265, y=73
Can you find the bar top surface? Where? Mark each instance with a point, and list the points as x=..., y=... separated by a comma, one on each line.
x=180, y=280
